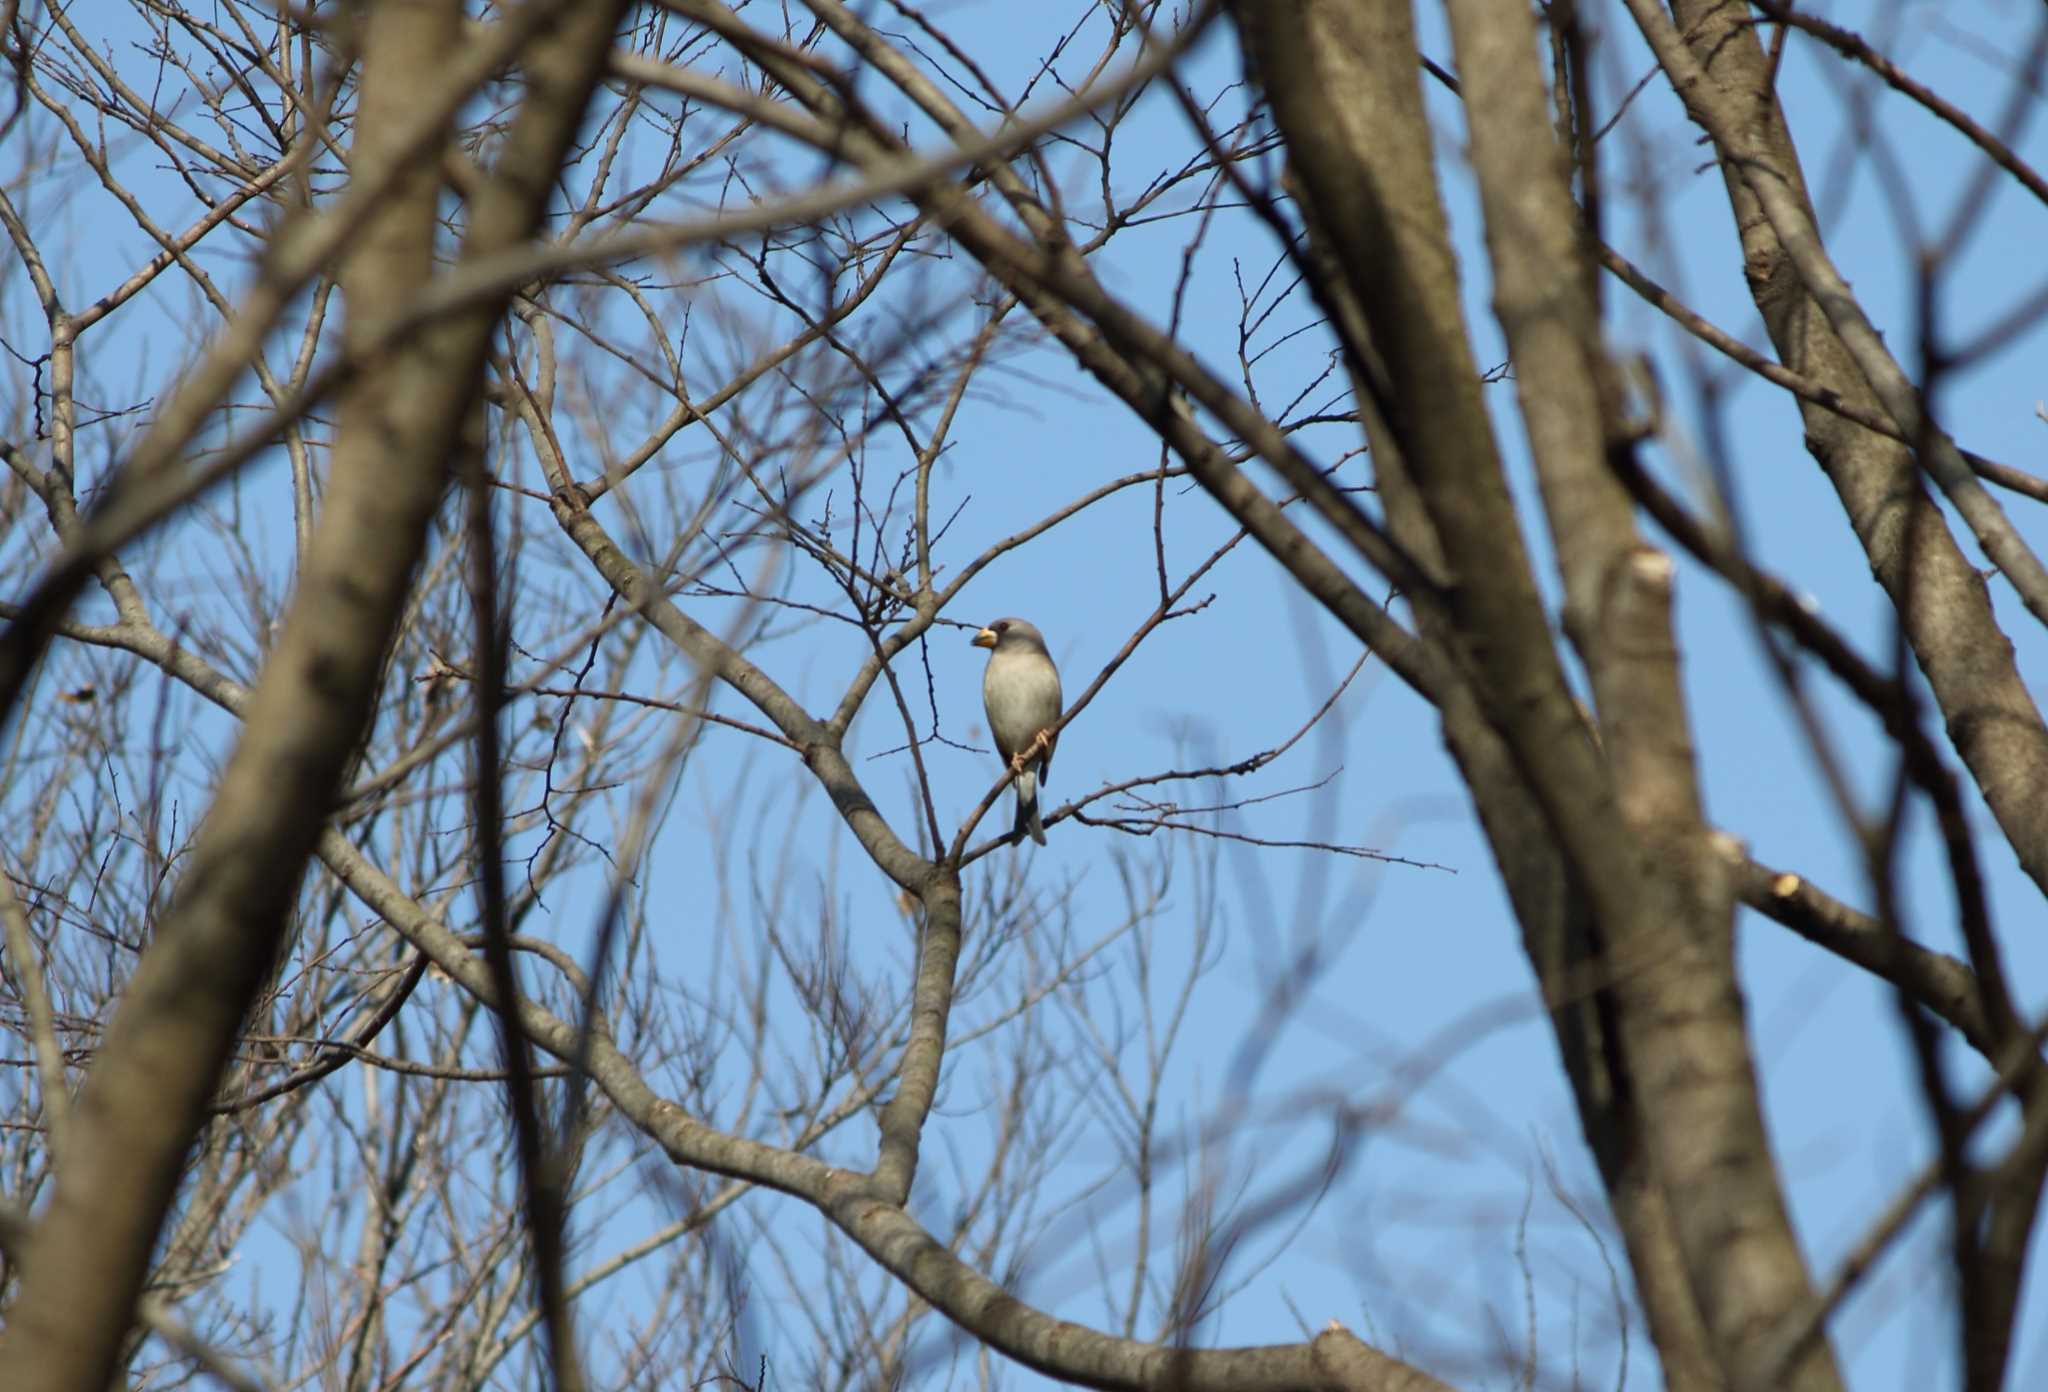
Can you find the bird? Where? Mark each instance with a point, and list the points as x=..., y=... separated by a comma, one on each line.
x=1021, y=693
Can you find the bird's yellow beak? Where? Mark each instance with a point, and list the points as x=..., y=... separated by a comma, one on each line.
x=984, y=639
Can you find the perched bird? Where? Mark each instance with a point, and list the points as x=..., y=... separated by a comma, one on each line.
x=1021, y=692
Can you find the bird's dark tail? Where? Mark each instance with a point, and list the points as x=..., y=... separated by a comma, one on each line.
x=1028, y=820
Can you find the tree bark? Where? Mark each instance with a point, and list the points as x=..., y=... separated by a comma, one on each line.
x=153, y=1080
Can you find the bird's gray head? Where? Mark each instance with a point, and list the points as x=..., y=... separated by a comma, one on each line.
x=1011, y=634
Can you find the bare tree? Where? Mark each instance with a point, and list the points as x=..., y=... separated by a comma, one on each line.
x=501, y=893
